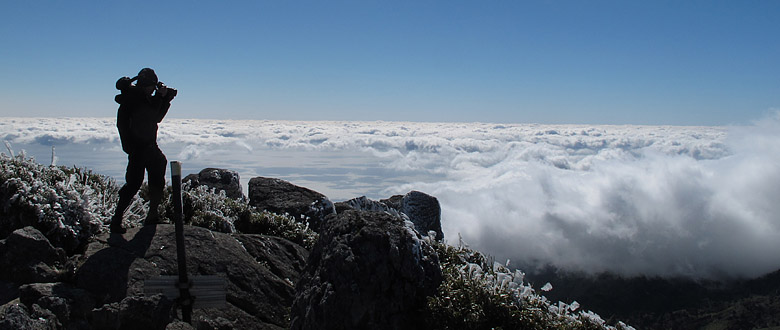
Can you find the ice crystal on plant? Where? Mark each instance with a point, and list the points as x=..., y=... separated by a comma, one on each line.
x=476, y=294
x=68, y=205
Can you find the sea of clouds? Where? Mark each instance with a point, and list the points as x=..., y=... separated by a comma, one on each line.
x=637, y=200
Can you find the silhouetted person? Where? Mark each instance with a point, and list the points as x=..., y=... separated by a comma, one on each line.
x=141, y=107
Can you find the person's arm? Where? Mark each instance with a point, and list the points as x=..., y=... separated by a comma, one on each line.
x=164, y=106
x=163, y=100
x=123, y=122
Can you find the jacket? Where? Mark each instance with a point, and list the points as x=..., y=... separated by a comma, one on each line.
x=138, y=116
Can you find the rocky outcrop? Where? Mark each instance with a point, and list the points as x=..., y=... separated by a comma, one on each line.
x=65, y=301
x=218, y=179
x=421, y=209
x=136, y=312
x=363, y=203
x=18, y=316
x=394, y=201
x=372, y=265
x=279, y=196
x=26, y=256
x=424, y=212
x=257, y=292
x=367, y=271
x=105, y=291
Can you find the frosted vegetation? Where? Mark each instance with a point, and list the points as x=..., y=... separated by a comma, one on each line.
x=71, y=205
x=480, y=293
x=68, y=205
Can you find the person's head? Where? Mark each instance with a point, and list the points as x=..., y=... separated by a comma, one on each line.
x=146, y=77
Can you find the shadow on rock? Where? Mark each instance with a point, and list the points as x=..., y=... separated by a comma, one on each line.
x=105, y=273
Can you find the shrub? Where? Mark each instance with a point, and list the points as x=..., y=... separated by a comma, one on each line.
x=273, y=224
x=477, y=295
x=68, y=205
x=210, y=209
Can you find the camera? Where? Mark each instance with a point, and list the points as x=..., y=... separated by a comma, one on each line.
x=171, y=92
x=166, y=91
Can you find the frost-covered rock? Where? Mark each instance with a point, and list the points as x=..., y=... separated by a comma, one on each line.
x=367, y=271
x=279, y=196
x=218, y=179
x=421, y=209
x=424, y=211
x=365, y=204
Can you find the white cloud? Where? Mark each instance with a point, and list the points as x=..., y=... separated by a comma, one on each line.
x=653, y=200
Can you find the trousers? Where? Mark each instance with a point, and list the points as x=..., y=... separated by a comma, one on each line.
x=150, y=160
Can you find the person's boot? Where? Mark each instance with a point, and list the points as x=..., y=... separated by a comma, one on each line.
x=116, y=225
x=153, y=216
x=116, y=220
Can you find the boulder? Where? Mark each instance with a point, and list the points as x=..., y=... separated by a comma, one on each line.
x=145, y=312
x=65, y=301
x=181, y=325
x=116, y=267
x=424, y=211
x=421, y=209
x=153, y=312
x=105, y=317
x=18, y=316
x=282, y=257
x=364, y=203
x=8, y=291
x=368, y=270
x=218, y=179
x=26, y=256
x=393, y=202
x=279, y=196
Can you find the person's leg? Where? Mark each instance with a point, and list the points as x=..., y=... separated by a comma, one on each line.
x=155, y=166
x=134, y=177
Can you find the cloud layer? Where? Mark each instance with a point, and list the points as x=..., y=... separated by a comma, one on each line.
x=651, y=200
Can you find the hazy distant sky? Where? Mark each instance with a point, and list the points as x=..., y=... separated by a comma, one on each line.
x=597, y=62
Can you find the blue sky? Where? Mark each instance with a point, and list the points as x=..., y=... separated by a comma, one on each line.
x=592, y=62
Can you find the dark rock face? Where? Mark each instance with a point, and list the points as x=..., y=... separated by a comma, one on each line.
x=257, y=297
x=394, y=201
x=283, y=258
x=367, y=271
x=145, y=312
x=26, y=256
x=279, y=196
x=18, y=316
x=65, y=301
x=424, y=211
x=107, y=288
x=421, y=209
x=218, y=179
x=154, y=312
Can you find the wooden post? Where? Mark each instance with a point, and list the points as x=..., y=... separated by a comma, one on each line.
x=184, y=283
x=207, y=291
